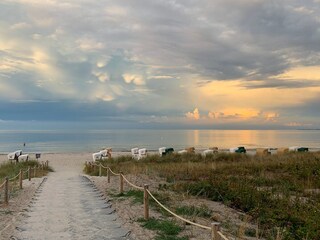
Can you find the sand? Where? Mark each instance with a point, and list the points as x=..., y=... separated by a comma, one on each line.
x=127, y=211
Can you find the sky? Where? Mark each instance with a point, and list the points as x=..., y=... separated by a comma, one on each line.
x=219, y=64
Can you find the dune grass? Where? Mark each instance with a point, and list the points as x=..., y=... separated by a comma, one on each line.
x=11, y=169
x=277, y=191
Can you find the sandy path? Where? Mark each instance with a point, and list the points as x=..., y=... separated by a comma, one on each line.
x=67, y=206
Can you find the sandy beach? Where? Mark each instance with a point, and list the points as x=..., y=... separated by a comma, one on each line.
x=72, y=164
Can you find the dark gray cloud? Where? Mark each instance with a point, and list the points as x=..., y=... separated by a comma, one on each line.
x=282, y=83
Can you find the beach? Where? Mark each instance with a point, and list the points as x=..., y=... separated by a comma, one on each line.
x=71, y=164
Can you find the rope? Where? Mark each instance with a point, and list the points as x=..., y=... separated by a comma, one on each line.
x=222, y=236
x=177, y=216
x=116, y=174
x=2, y=185
x=104, y=166
x=131, y=184
x=156, y=200
x=11, y=179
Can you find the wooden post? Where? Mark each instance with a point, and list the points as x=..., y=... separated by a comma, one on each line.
x=29, y=174
x=47, y=163
x=215, y=227
x=100, y=169
x=20, y=178
x=34, y=171
x=121, y=183
x=146, y=202
x=6, y=191
x=108, y=174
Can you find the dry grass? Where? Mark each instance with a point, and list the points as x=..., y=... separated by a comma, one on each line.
x=277, y=191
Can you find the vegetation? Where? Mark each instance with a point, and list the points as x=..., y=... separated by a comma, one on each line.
x=11, y=170
x=278, y=191
x=167, y=230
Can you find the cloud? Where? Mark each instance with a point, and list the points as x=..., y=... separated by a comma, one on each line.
x=195, y=115
x=132, y=78
x=162, y=58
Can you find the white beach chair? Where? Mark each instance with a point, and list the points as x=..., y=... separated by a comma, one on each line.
x=96, y=156
x=182, y=151
x=104, y=154
x=207, y=152
x=233, y=150
x=293, y=149
x=14, y=155
x=135, y=153
x=142, y=153
x=23, y=157
x=162, y=150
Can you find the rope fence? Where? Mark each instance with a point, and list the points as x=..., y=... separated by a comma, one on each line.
x=10, y=185
x=216, y=233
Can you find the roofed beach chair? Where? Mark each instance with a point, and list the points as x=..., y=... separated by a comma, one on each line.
x=142, y=153
x=282, y=150
x=298, y=149
x=102, y=155
x=135, y=153
x=190, y=150
x=182, y=151
x=14, y=155
x=238, y=150
x=263, y=151
x=164, y=151
x=207, y=152
x=23, y=157
x=211, y=150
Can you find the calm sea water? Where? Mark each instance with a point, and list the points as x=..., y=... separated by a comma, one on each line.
x=123, y=140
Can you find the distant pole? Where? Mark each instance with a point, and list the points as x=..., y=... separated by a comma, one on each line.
x=100, y=169
x=34, y=172
x=108, y=174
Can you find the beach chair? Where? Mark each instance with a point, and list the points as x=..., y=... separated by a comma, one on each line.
x=135, y=153
x=38, y=155
x=190, y=150
x=298, y=149
x=14, y=155
x=104, y=154
x=263, y=151
x=215, y=149
x=184, y=151
x=164, y=151
x=142, y=153
x=207, y=152
x=282, y=150
x=23, y=158
x=96, y=156
x=238, y=150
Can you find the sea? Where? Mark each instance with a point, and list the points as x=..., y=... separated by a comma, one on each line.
x=70, y=141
